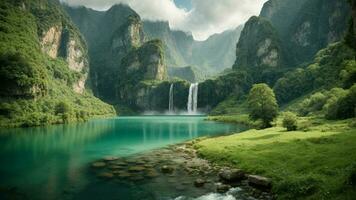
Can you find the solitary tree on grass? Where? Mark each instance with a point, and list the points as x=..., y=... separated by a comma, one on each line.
x=262, y=104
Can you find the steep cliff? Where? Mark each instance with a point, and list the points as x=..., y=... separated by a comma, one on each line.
x=306, y=26
x=121, y=57
x=44, y=65
x=259, y=50
x=145, y=64
x=120, y=32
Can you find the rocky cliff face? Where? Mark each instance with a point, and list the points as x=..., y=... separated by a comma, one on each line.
x=120, y=33
x=259, y=47
x=63, y=42
x=306, y=26
x=120, y=57
x=128, y=36
x=51, y=40
x=145, y=64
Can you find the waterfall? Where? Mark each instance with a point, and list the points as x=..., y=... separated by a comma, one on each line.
x=171, y=105
x=193, y=98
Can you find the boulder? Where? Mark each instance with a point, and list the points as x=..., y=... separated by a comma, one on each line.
x=222, y=188
x=231, y=175
x=259, y=181
x=167, y=169
x=199, y=182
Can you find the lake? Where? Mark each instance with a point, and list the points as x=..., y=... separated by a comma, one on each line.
x=53, y=162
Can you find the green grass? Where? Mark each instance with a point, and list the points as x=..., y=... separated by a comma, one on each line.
x=316, y=162
x=242, y=119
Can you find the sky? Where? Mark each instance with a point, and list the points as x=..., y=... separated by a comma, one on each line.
x=202, y=18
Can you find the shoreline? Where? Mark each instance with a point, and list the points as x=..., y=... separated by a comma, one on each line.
x=185, y=171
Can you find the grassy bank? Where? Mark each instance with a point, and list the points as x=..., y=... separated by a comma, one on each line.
x=242, y=119
x=316, y=162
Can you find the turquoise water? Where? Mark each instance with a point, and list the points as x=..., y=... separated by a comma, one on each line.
x=52, y=162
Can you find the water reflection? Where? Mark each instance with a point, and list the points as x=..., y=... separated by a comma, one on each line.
x=46, y=161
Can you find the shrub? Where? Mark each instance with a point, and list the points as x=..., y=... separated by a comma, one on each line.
x=341, y=106
x=290, y=121
x=62, y=108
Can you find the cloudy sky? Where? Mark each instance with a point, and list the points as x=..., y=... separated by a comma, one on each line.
x=200, y=17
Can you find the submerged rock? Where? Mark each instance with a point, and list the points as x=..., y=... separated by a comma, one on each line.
x=124, y=175
x=136, y=169
x=105, y=175
x=110, y=158
x=167, y=169
x=259, y=181
x=98, y=164
x=152, y=174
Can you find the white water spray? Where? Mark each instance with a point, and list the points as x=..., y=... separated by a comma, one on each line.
x=171, y=103
x=193, y=98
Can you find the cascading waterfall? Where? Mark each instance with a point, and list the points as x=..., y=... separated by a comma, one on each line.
x=171, y=105
x=193, y=98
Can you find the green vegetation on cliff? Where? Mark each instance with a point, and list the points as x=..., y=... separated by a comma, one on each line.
x=37, y=70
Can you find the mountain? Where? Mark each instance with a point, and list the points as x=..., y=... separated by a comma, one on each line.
x=288, y=34
x=306, y=26
x=212, y=55
x=122, y=58
x=259, y=51
x=177, y=44
x=44, y=66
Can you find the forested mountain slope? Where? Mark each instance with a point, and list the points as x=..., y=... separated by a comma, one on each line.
x=44, y=66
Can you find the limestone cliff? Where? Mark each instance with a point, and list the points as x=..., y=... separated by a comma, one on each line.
x=51, y=40
x=61, y=41
x=259, y=48
x=145, y=64
x=128, y=36
x=306, y=26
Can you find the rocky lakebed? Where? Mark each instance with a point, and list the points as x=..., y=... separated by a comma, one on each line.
x=177, y=172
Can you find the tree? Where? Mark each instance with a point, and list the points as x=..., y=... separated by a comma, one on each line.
x=290, y=121
x=262, y=104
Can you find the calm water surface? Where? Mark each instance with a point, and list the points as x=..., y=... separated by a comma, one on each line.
x=52, y=162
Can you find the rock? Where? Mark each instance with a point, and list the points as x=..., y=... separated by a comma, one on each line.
x=113, y=167
x=152, y=174
x=222, y=188
x=136, y=169
x=105, y=175
x=124, y=175
x=121, y=163
x=231, y=175
x=110, y=158
x=98, y=164
x=180, y=188
x=199, y=182
x=167, y=169
x=259, y=181
x=137, y=178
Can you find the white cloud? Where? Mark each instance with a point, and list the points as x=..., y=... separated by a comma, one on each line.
x=204, y=19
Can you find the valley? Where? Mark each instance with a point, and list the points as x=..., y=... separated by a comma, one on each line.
x=113, y=102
